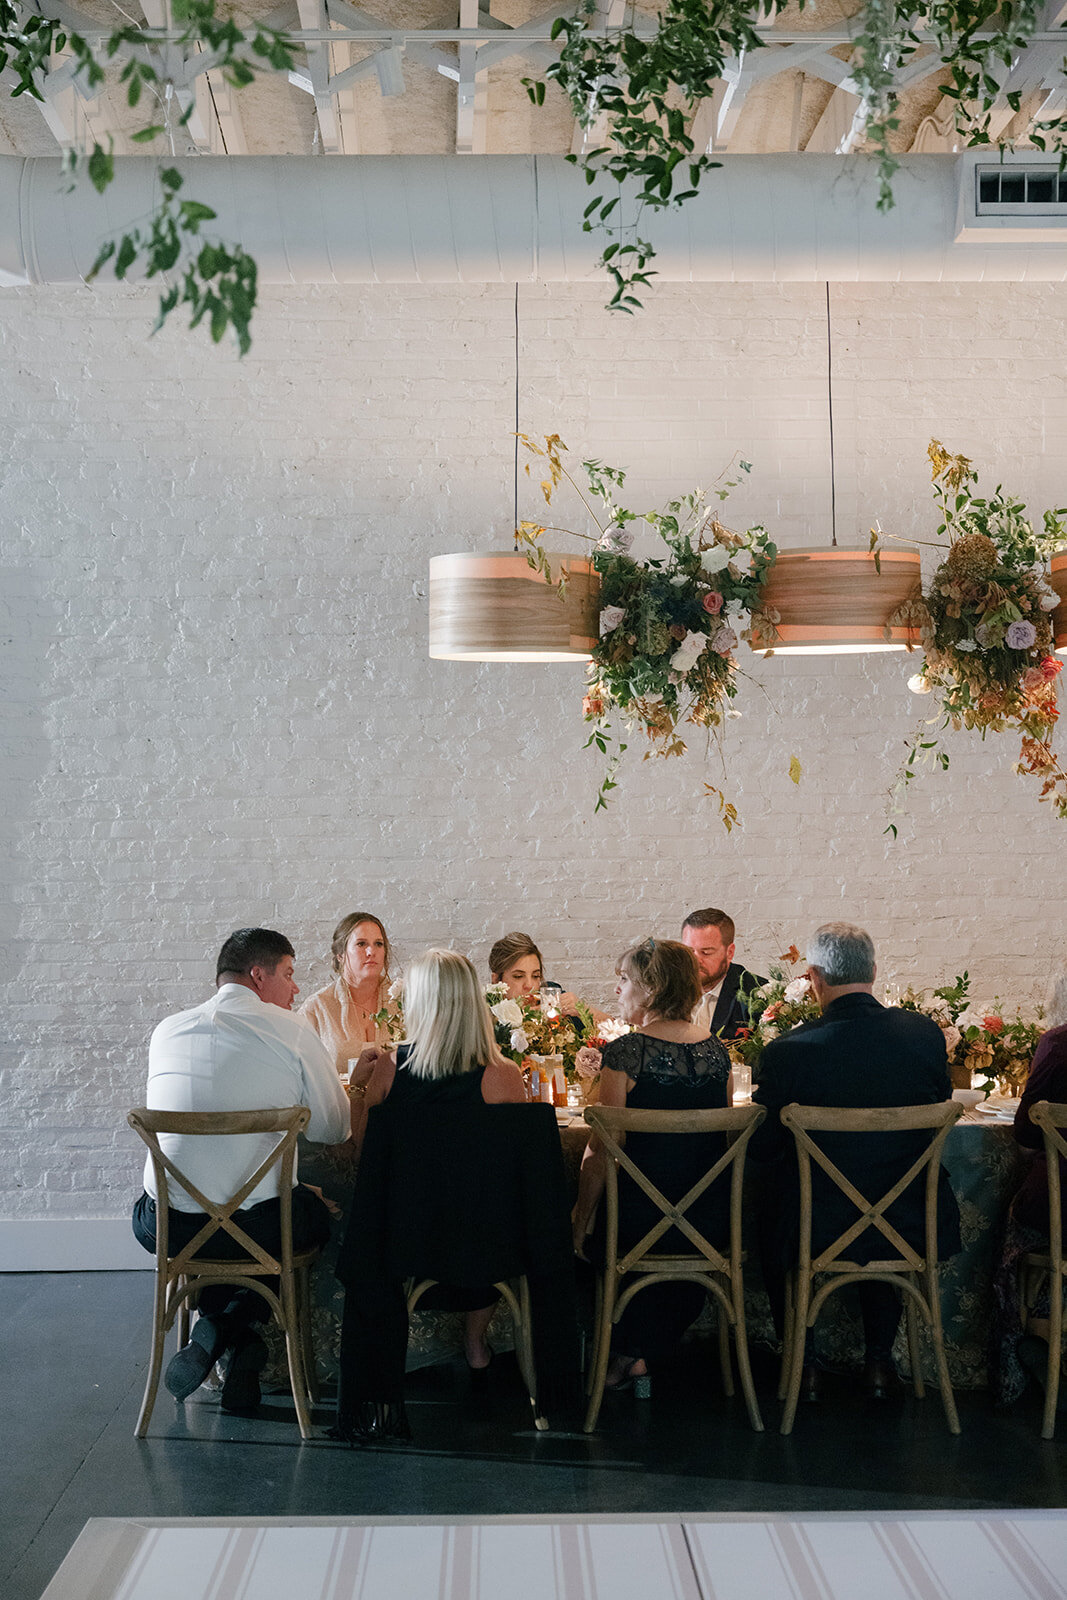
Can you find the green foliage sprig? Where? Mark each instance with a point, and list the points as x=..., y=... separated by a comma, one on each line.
x=217, y=281
x=643, y=88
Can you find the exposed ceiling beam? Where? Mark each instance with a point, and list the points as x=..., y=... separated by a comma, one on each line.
x=472, y=90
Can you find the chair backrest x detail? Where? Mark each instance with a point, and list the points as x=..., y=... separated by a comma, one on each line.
x=609, y=1122
x=221, y=1215
x=803, y=1121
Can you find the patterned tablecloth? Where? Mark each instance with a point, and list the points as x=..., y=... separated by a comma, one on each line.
x=983, y=1163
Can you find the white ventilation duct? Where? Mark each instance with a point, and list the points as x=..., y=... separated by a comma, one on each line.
x=502, y=219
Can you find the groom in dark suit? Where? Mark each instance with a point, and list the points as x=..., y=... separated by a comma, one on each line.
x=725, y=983
x=858, y=1053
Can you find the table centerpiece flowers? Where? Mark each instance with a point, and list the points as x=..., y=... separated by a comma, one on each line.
x=670, y=624
x=777, y=1006
x=987, y=1049
x=984, y=622
x=525, y=1028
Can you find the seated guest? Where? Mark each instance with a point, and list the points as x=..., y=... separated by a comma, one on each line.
x=242, y=1050
x=1046, y=1080
x=455, y=1206
x=516, y=961
x=858, y=1053
x=667, y=1064
x=724, y=983
x=342, y=1014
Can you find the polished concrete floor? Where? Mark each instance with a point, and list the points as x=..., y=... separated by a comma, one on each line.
x=74, y=1351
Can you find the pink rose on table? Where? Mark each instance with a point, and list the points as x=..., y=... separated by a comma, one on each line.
x=1020, y=635
x=1033, y=678
x=712, y=603
x=610, y=618
x=724, y=642
x=993, y=1024
x=1050, y=667
x=587, y=1062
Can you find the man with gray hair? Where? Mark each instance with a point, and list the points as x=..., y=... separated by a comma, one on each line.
x=857, y=1053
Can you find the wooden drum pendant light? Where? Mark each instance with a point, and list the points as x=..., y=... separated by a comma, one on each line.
x=835, y=602
x=495, y=607
x=1058, y=581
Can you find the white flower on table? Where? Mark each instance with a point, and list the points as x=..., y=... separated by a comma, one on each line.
x=798, y=989
x=685, y=657
x=610, y=618
x=509, y=1012
x=952, y=1039
x=715, y=559
x=519, y=1040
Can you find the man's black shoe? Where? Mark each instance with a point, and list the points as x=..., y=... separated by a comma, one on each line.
x=241, y=1391
x=810, y=1385
x=188, y=1369
x=880, y=1380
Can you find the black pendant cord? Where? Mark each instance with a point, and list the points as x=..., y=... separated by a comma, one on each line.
x=830, y=414
x=515, y=523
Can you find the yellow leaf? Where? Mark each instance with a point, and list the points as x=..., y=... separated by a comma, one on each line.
x=795, y=769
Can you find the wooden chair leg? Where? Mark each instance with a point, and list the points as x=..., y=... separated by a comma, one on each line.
x=787, y=1337
x=801, y=1301
x=294, y=1354
x=912, y=1313
x=726, y=1365
x=948, y=1399
x=155, y=1364
x=603, y=1350
x=1055, y=1342
x=524, y=1341
x=744, y=1368
x=307, y=1342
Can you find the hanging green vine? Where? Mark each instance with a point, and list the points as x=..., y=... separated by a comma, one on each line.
x=216, y=281
x=643, y=89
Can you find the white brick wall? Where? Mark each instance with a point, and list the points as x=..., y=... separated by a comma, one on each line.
x=218, y=707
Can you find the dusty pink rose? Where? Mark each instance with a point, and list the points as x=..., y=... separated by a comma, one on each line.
x=587, y=1062
x=1033, y=678
x=712, y=603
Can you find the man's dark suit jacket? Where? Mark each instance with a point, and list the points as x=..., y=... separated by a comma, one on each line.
x=731, y=1013
x=857, y=1054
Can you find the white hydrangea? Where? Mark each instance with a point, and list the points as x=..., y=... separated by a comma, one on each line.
x=715, y=559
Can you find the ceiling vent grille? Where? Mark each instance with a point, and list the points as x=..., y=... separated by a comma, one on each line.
x=1014, y=192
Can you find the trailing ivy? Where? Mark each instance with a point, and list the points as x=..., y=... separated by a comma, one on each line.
x=644, y=87
x=216, y=281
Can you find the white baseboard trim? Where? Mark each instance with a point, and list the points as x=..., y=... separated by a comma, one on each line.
x=71, y=1244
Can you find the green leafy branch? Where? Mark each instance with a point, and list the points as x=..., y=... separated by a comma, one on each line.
x=218, y=283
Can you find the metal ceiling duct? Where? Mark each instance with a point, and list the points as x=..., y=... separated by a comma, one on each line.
x=508, y=219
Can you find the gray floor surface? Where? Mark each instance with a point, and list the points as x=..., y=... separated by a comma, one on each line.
x=75, y=1347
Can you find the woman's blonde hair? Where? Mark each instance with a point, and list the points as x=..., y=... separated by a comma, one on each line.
x=446, y=1016
x=343, y=931
x=668, y=973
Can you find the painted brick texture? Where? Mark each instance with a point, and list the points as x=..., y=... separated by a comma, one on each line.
x=218, y=707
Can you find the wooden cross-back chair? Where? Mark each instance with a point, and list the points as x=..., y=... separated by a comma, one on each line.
x=1039, y=1265
x=913, y=1272
x=720, y=1272
x=182, y=1276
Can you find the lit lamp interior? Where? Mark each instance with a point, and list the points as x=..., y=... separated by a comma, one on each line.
x=495, y=607
x=836, y=602
x=1058, y=580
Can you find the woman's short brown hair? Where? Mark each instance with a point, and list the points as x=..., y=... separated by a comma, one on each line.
x=339, y=942
x=511, y=948
x=668, y=973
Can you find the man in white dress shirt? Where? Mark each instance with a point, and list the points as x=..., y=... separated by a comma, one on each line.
x=242, y=1050
x=725, y=983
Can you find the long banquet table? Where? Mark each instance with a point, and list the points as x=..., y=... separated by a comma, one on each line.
x=984, y=1165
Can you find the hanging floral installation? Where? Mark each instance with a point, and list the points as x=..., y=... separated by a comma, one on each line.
x=670, y=625
x=985, y=628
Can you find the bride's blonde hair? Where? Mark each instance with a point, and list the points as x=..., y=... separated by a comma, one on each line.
x=446, y=1016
